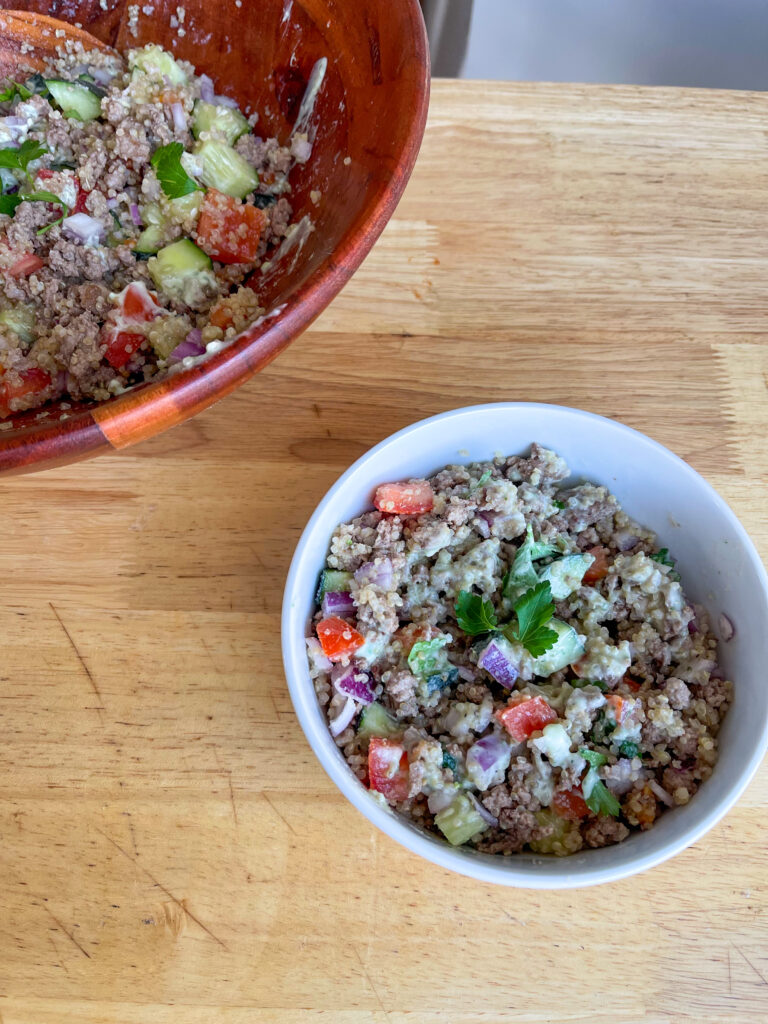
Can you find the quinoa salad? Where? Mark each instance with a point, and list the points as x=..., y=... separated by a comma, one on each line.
x=135, y=202
x=510, y=661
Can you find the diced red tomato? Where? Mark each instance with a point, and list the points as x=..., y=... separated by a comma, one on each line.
x=121, y=345
x=405, y=499
x=337, y=638
x=25, y=266
x=524, y=716
x=388, y=769
x=569, y=803
x=228, y=230
x=221, y=315
x=631, y=683
x=33, y=381
x=45, y=174
x=619, y=707
x=599, y=567
x=82, y=195
x=136, y=305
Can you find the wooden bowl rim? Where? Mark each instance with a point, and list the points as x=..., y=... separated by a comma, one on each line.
x=123, y=420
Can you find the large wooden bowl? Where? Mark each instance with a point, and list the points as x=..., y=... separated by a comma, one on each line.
x=372, y=109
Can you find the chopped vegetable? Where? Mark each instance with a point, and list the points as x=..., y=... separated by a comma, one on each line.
x=353, y=681
x=500, y=660
x=618, y=706
x=597, y=796
x=569, y=803
x=337, y=603
x=460, y=821
x=449, y=761
x=21, y=320
x=157, y=63
x=332, y=579
x=180, y=268
x=427, y=655
x=220, y=121
x=522, y=575
x=121, y=346
x=229, y=231
x=564, y=575
x=481, y=482
x=75, y=101
x=225, y=170
x=629, y=749
x=375, y=720
x=473, y=614
x=411, y=634
x=406, y=499
x=338, y=724
x=579, y=684
x=136, y=304
x=13, y=90
x=441, y=682
x=487, y=761
x=662, y=556
x=338, y=638
x=388, y=769
x=25, y=266
x=525, y=715
x=599, y=567
x=174, y=180
x=558, y=504
x=33, y=381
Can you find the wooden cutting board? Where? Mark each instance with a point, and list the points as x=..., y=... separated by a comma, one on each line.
x=170, y=849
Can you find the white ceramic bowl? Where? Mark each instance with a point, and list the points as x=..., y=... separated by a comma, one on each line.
x=719, y=566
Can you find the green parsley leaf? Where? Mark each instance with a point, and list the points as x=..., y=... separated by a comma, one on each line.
x=8, y=204
x=426, y=655
x=449, y=761
x=662, y=556
x=481, y=482
x=579, y=684
x=533, y=610
x=629, y=749
x=18, y=159
x=473, y=614
x=559, y=504
x=595, y=758
x=442, y=682
x=600, y=799
x=174, y=180
x=15, y=89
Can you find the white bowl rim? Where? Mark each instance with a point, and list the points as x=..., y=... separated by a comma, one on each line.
x=504, y=873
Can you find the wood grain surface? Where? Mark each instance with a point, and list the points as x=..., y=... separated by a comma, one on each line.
x=171, y=851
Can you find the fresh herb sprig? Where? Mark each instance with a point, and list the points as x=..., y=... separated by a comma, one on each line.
x=663, y=557
x=13, y=90
x=19, y=159
x=533, y=611
x=174, y=180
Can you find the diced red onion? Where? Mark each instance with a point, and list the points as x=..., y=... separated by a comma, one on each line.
x=484, y=813
x=482, y=526
x=337, y=603
x=625, y=540
x=466, y=673
x=187, y=348
x=378, y=574
x=661, y=793
x=179, y=117
x=619, y=777
x=103, y=75
x=344, y=717
x=315, y=652
x=497, y=662
x=301, y=150
x=692, y=627
x=352, y=681
x=135, y=214
x=206, y=89
x=440, y=799
x=487, y=760
x=83, y=228
x=111, y=203
x=225, y=101
x=727, y=628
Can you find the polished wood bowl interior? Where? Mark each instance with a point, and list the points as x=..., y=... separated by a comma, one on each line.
x=370, y=116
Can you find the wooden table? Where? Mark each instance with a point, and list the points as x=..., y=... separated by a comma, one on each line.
x=171, y=851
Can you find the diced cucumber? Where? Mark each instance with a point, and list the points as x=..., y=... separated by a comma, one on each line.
x=150, y=239
x=225, y=170
x=460, y=821
x=559, y=838
x=178, y=268
x=375, y=720
x=20, y=320
x=567, y=649
x=186, y=206
x=335, y=581
x=225, y=122
x=74, y=100
x=154, y=61
x=565, y=575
